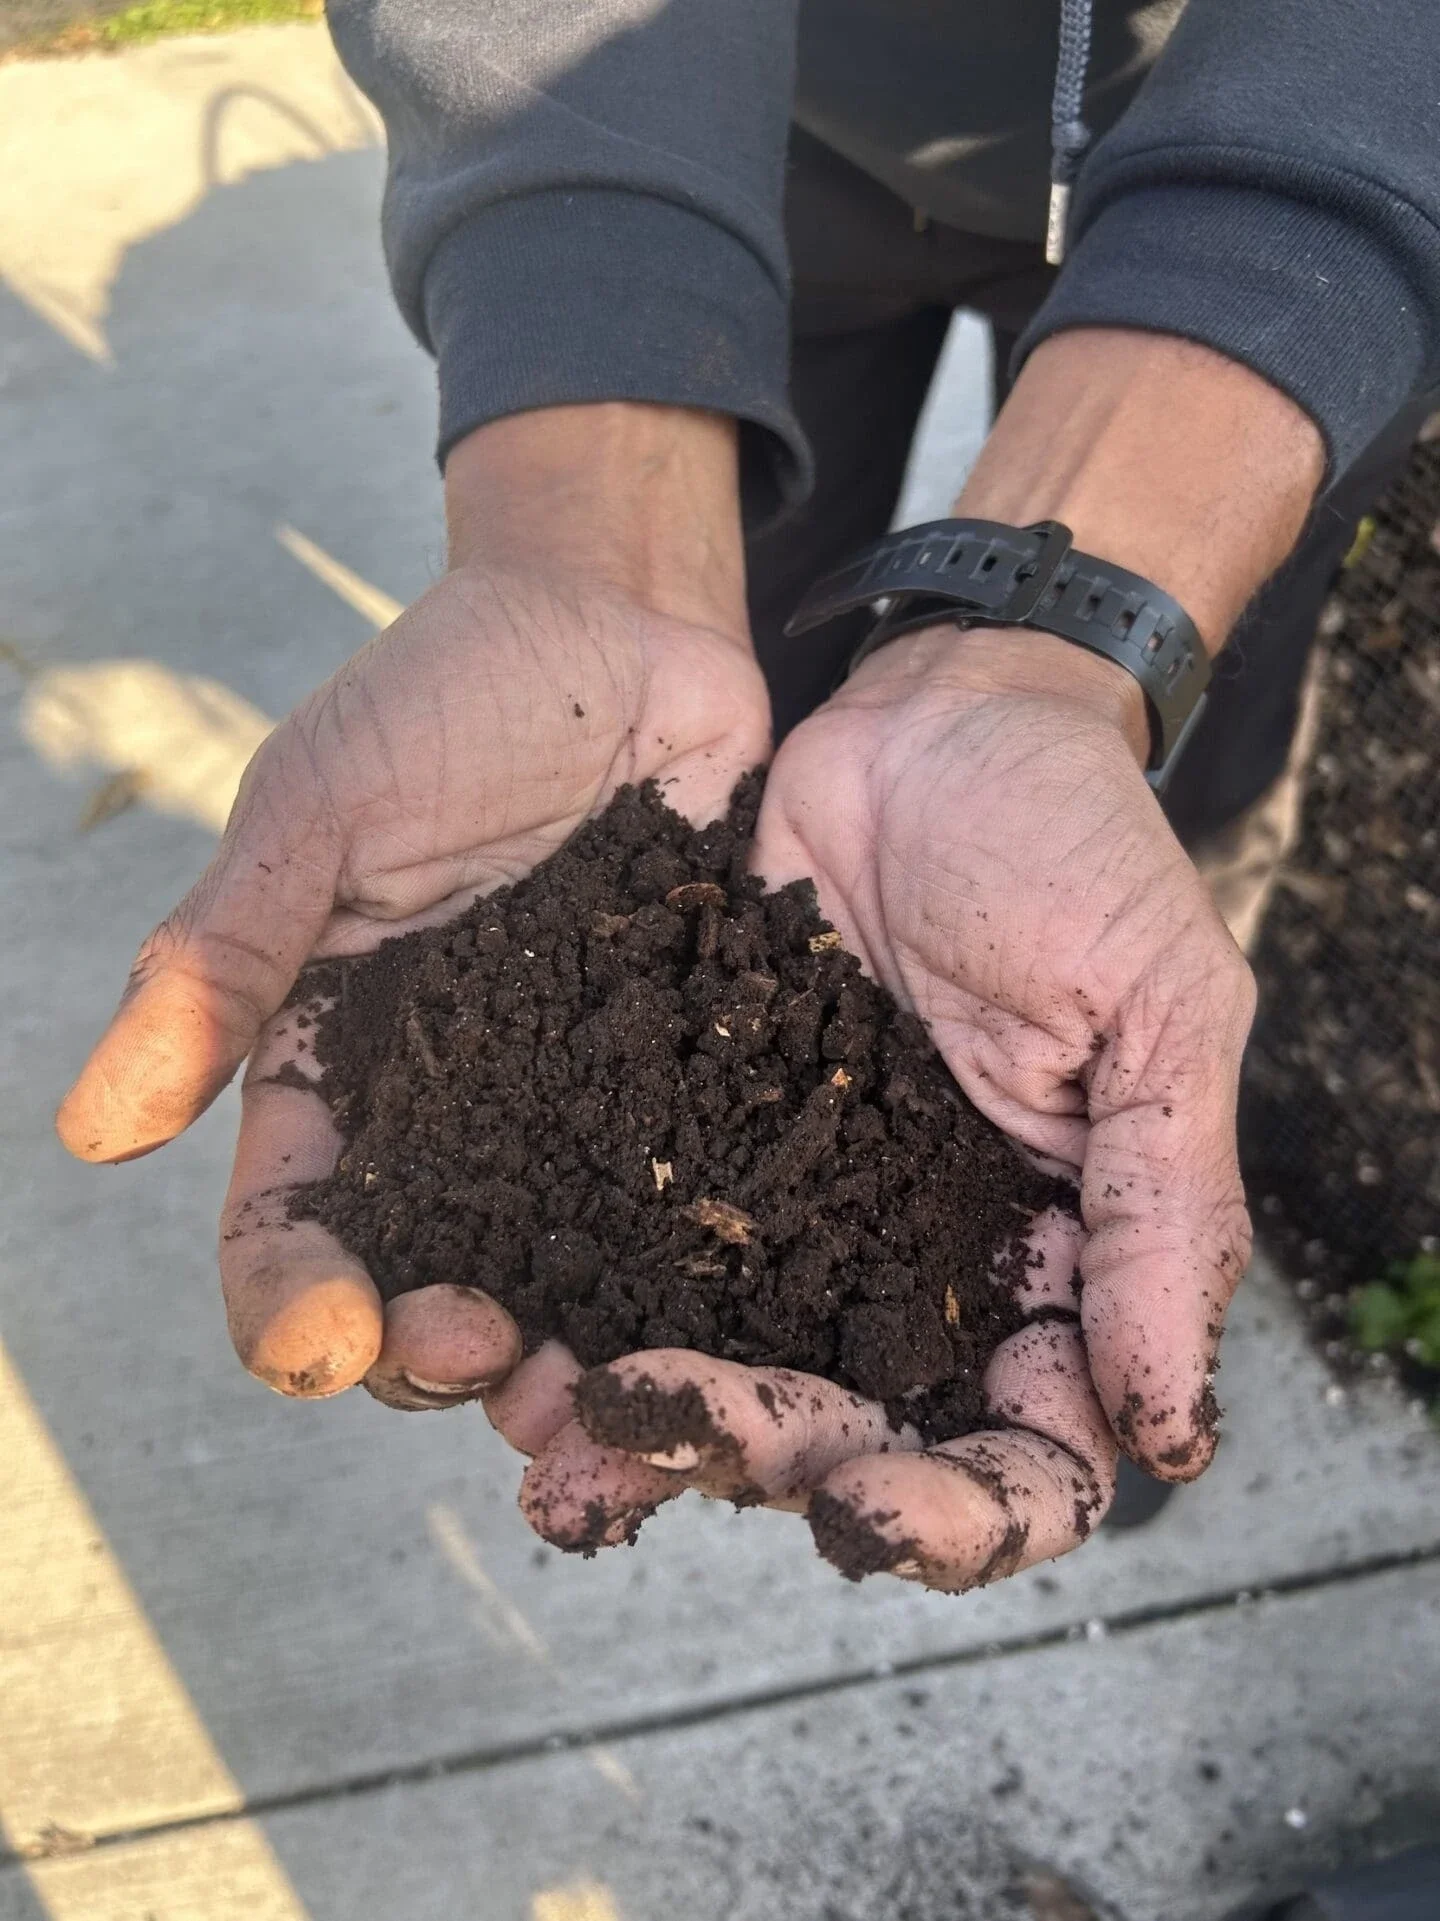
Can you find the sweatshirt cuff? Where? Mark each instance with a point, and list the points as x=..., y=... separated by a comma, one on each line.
x=590, y=294
x=1298, y=294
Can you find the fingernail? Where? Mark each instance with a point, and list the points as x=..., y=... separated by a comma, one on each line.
x=625, y=1530
x=908, y=1569
x=412, y=1395
x=683, y=1459
x=448, y=1388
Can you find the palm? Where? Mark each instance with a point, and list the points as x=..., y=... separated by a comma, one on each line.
x=1024, y=937
x=452, y=754
x=469, y=741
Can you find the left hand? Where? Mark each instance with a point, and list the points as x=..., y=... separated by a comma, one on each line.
x=974, y=817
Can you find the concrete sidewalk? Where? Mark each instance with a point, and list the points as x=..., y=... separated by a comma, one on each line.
x=272, y=1660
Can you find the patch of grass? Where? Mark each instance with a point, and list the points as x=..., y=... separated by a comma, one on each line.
x=159, y=19
x=1401, y=1313
x=153, y=19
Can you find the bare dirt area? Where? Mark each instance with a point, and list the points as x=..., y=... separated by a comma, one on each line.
x=1341, y=1103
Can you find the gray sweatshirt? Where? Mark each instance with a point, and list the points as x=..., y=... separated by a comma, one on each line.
x=584, y=199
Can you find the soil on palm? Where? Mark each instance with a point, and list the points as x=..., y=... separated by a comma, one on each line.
x=645, y=1103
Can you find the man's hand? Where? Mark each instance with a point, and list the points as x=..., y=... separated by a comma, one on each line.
x=575, y=646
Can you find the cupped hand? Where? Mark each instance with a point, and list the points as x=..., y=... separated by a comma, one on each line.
x=449, y=756
x=978, y=828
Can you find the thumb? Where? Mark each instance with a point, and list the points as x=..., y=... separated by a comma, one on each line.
x=212, y=972
x=1162, y=1197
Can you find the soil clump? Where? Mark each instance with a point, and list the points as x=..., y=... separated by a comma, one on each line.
x=643, y=1102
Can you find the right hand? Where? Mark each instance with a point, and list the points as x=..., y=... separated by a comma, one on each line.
x=448, y=757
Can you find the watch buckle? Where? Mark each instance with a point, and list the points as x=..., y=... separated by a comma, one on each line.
x=1037, y=580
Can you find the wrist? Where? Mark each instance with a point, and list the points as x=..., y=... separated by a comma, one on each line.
x=983, y=663
x=644, y=500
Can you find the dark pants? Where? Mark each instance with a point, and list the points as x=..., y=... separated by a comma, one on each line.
x=873, y=300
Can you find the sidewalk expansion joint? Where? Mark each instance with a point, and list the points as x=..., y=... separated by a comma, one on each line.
x=663, y=1721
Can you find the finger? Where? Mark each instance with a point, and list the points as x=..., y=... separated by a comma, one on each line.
x=747, y=1433
x=580, y=1497
x=974, y=1510
x=770, y=1434
x=213, y=972
x=304, y=1315
x=431, y=1348
x=443, y=1345
x=1169, y=1235
x=529, y=1408
x=1049, y=1279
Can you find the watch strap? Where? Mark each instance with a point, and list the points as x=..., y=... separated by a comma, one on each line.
x=984, y=573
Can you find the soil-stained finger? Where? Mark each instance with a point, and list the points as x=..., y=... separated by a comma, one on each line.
x=974, y=1510
x=1050, y=1278
x=1040, y=1379
x=746, y=1433
x=443, y=1345
x=304, y=1315
x=580, y=1497
x=530, y=1407
x=212, y=973
x=1169, y=1234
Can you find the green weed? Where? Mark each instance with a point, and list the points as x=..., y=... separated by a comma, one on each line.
x=1401, y=1313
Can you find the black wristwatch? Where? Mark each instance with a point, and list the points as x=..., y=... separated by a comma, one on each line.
x=980, y=573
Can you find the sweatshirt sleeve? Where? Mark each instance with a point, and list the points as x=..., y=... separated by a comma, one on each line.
x=1274, y=192
x=584, y=201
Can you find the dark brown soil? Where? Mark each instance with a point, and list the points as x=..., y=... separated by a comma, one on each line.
x=852, y=1542
x=644, y=1103
x=1340, y=1110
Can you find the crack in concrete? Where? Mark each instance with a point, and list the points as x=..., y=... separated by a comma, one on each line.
x=536, y=1747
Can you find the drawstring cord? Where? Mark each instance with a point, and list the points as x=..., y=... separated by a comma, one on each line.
x=1069, y=135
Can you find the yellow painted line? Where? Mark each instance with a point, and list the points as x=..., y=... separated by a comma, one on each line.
x=502, y=1623
x=580, y=1901
x=370, y=602
x=496, y=1615
x=98, y=1734
x=181, y=740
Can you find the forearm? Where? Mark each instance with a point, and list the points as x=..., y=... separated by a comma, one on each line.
x=1159, y=455
x=644, y=499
